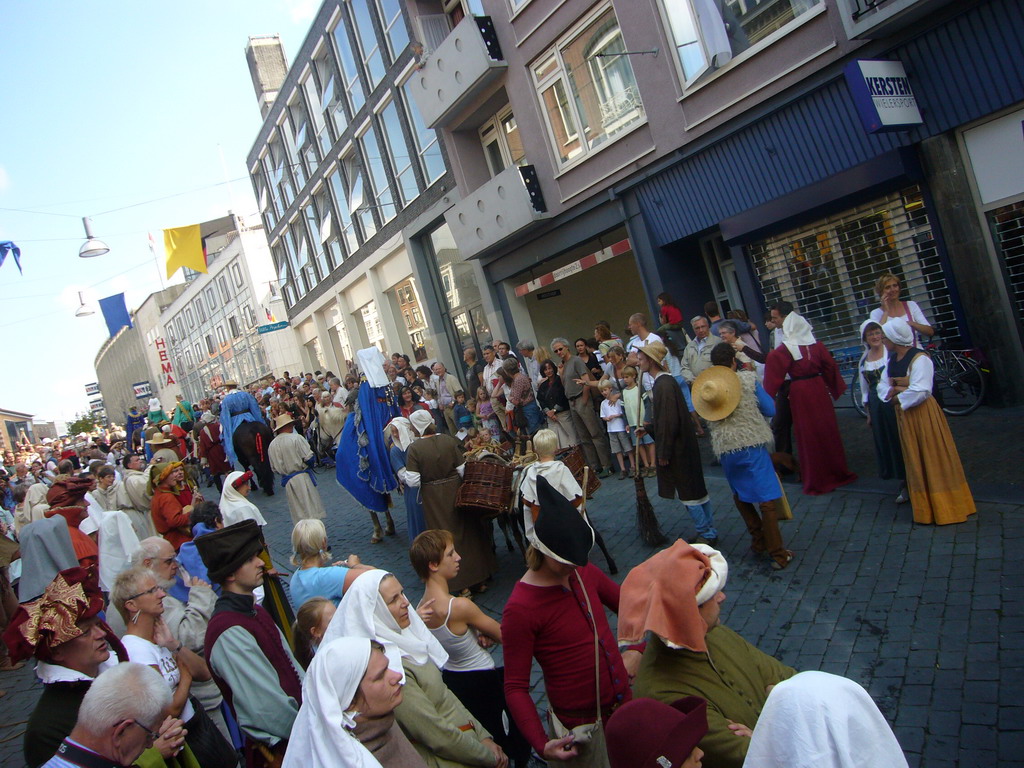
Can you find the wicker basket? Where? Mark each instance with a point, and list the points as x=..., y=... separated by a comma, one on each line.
x=486, y=488
x=575, y=460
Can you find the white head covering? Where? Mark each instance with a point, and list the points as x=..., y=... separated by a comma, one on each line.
x=898, y=331
x=420, y=420
x=715, y=582
x=798, y=334
x=207, y=417
x=818, y=720
x=371, y=363
x=362, y=613
x=234, y=507
x=322, y=732
x=406, y=436
x=117, y=542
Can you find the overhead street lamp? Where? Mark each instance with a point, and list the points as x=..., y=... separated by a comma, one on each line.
x=83, y=309
x=91, y=247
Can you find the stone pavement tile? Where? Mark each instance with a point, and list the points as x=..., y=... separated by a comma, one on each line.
x=979, y=714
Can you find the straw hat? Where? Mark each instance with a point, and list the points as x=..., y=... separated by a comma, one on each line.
x=716, y=393
x=656, y=351
x=158, y=439
x=282, y=421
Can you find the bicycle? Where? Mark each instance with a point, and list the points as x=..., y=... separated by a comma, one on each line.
x=959, y=384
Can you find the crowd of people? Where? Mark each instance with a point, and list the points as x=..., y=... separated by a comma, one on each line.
x=123, y=567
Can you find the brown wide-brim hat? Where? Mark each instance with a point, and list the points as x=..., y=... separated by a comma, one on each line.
x=646, y=733
x=282, y=421
x=656, y=351
x=225, y=551
x=716, y=392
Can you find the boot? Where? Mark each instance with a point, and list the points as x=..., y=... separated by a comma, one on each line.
x=378, y=532
x=390, y=528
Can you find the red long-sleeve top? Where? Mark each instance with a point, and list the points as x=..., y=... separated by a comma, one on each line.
x=169, y=516
x=552, y=625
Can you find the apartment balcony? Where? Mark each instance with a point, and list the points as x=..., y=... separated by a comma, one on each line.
x=462, y=66
x=504, y=206
x=874, y=19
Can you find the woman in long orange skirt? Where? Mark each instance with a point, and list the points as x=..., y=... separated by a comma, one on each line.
x=935, y=477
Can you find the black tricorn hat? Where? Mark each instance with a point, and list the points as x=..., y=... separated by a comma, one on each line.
x=560, y=531
x=225, y=551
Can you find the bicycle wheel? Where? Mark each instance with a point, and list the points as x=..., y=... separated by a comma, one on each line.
x=959, y=383
x=856, y=395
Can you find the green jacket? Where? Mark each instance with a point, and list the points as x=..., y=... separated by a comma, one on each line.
x=731, y=676
x=432, y=717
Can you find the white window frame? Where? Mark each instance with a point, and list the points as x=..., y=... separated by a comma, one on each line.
x=708, y=69
x=494, y=125
x=561, y=73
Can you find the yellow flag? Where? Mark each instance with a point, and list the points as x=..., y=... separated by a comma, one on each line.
x=184, y=246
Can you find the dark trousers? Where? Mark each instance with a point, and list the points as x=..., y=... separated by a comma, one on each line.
x=763, y=528
x=782, y=422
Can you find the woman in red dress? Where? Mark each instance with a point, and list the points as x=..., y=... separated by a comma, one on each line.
x=815, y=384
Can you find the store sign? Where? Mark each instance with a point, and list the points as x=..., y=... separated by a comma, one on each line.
x=92, y=389
x=882, y=94
x=166, y=368
x=142, y=389
x=549, y=294
x=272, y=327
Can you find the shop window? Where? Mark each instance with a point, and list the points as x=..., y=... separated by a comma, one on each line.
x=587, y=88
x=371, y=322
x=828, y=269
x=1007, y=226
x=708, y=34
x=503, y=146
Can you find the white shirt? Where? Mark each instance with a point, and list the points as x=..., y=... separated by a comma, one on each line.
x=921, y=373
x=618, y=423
x=142, y=651
x=916, y=316
x=636, y=342
x=490, y=373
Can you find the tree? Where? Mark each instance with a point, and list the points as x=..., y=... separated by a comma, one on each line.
x=84, y=422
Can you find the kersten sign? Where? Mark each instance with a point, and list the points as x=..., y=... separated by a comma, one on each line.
x=882, y=94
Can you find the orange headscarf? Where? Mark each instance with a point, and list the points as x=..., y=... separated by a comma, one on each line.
x=660, y=595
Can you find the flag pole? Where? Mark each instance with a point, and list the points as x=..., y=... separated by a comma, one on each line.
x=156, y=261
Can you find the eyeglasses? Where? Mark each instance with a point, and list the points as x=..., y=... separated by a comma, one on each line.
x=151, y=591
x=151, y=736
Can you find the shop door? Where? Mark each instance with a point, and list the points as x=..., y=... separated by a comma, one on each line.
x=471, y=329
x=828, y=269
x=721, y=273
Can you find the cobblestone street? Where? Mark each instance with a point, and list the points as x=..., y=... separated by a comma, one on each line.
x=930, y=620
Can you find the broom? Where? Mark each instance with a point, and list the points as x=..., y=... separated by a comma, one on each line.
x=646, y=521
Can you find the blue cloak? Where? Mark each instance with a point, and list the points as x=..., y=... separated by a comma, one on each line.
x=363, y=466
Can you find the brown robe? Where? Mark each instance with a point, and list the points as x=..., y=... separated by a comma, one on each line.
x=675, y=440
x=391, y=747
x=436, y=459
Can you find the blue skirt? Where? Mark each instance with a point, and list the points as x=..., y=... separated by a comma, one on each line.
x=751, y=475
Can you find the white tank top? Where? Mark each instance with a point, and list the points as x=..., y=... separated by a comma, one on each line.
x=464, y=655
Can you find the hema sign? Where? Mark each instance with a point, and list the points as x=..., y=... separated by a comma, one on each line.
x=882, y=94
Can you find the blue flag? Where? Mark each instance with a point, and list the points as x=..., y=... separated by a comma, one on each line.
x=115, y=313
x=7, y=245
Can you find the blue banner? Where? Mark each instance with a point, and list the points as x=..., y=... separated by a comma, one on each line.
x=115, y=313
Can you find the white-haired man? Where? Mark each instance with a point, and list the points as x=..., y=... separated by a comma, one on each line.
x=118, y=720
x=697, y=355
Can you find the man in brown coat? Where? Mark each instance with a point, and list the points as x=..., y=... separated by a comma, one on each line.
x=679, y=469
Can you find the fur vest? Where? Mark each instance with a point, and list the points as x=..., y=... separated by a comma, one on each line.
x=745, y=427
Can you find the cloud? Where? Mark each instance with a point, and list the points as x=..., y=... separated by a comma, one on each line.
x=302, y=10
x=5, y=179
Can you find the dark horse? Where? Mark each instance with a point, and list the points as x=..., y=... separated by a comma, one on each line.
x=251, y=441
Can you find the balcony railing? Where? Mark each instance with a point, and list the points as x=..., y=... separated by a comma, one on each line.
x=504, y=206
x=463, y=65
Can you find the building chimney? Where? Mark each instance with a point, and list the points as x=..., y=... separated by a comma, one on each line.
x=268, y=68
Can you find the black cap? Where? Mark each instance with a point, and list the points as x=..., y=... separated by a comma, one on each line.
x=563, y=532
x=225, y=551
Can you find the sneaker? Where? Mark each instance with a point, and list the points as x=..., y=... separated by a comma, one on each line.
x=622, y=475
x=902, y=498
x=713, y=543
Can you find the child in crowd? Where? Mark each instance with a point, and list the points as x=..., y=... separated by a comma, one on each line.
x=632, y=403
x=464, y=631
x=429, y=398
x=463, y=416
x=485, y=413
x=612, y=416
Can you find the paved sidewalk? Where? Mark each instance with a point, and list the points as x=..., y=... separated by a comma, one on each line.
x=930, y=620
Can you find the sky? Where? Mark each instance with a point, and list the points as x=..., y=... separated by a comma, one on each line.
x=138, y=115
